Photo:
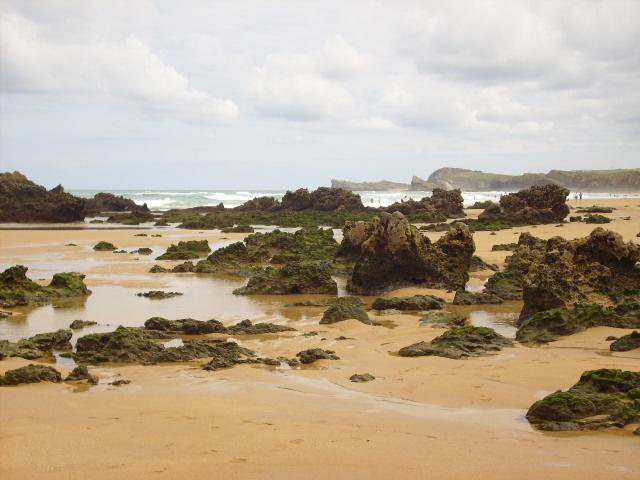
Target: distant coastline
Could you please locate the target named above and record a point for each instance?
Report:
(592, 181)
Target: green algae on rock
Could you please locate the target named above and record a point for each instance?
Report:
(626, 343)
(304, 277)
(30, 374)
(313, 354)
(17, 290)
(413, 303)
(475, 298)
(186, 250)
(443, 319)
(601, 399)
(361, 377)
(345, 308)
(190, 326)
(459, 342)
(103, 246)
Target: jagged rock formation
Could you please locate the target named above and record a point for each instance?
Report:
(475, 298)
(16, 290)
(535, 205)
(442, 204)
(394, 253)
(322, 199)
(186, 250)
(601, 399)
(313, 354)
(189, 326)
(459, 342)
(415, 303)
(21, 200)
(345, 308)
(626, 343)
(37, 346)
(597, 268)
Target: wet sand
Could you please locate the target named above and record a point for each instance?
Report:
(421, 417)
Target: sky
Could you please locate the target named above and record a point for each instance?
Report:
(280, 94)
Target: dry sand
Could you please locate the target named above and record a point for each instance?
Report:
(424, 417)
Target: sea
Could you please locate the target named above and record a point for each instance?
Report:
(168, 199)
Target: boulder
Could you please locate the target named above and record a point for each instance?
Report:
(108, 202)
(361, 377)
(441, 205)
(22, 201)
(186, 250)
(459, 342)
(596, 218)
(415, 303)
(103, 246)
(538, 204)
(228, 354)
(345, 308)
(30, 374)
(313, 354)
(81, 373)
(443, 319)
(601, 399)
(396, 254)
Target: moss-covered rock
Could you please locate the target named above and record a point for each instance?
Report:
(626, 342)
(158, 294)
(443, 319)
(478, 265)
(30, 374)
(143, 251)
(103, 246)
(601, 399)
(504, 247)
(238, 229)
(228, 354)
(190, 326)
(596, 218)
(413, 303)
(81, 373)
(463, 297)
(186, 250)
(306, 277)
(79, 324)
(18, 290)
(459, 342)
(345, 308)
(550, 324)
(361, 377)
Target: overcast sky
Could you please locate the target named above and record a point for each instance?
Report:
(256, 94)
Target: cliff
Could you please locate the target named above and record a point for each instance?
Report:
(363, 186)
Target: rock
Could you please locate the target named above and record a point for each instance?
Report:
(305, 277)
(140, 235)
(478, 265)
(396, 254)
(245, 327)
(143, 251)
(185, 267)
(361, 377)
(626, 343)
(228, 354)
(562, 273)
(238, 229)
(475, 298)
(596, 219)
(60, 339)
(134, 345)
(575, 218)
(30, 374)
(186, 250)
(108, 202)
(158, 294)
(482, 205)
(22, 201)
(601, 399)
(611, 338)
(415, 303)
(323, 199)
(538, 204)
(441, 205)
(18, 290)
(595, 209)
(120, 382)
(80, 373)
(313, 354)
(345, 308)
(103, 246)
(159, 269)
(547, 325)
(442, 319)
(195, 327)
(459, 342)
(502, 247)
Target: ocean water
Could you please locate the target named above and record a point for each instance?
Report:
(168, 199)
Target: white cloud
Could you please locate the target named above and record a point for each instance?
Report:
(125, 71)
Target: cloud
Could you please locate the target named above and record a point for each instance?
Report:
(123, 71)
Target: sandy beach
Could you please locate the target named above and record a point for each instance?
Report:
(421, 417)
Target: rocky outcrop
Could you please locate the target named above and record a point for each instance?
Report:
(415, 303)
(190, 326)
(186, 250)
(103, 246)
(442, 204)
(16, 290)
(37, 346)
(323, 199)
(345, 308)
(79, 324)
(601, 399)
(596, 218)
(626, 343)
(443, 319)
(304, 277)
(22, 201)
(476, 298)
(30, 374)
(479, 265)
(396, 254)
(108, 202)
(532, 206)
(459, 342)
(597, 268)
(378, 186)
(80, 374)
(227, 355)
(548, 325)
